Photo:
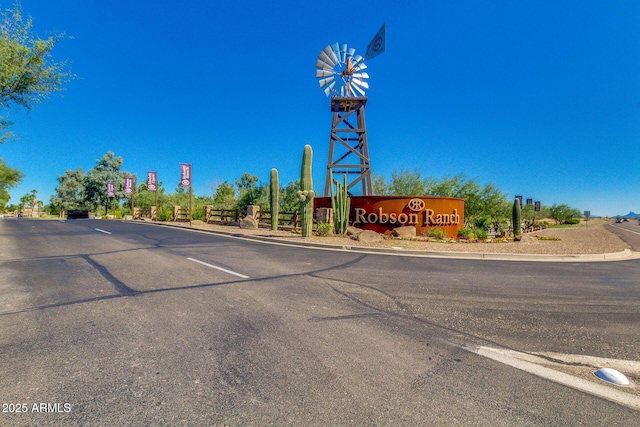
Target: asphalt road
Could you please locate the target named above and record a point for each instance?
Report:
(629, 231)
(114, 323)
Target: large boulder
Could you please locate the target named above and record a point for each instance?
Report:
(353, 231)
(368, 236)
(405, 232)
(249, 223)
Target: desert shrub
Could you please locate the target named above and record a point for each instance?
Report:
(436, 233)
(480, 233)
(199, 213)
(466, 233)
(165, 214)
(325, 229)
(483, 222)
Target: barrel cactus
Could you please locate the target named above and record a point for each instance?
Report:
(275, 199)
(306, 193)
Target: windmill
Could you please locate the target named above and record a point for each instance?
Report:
(341, 75)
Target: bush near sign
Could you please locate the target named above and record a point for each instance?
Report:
(384, 213)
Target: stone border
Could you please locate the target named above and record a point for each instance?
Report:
(614, 256)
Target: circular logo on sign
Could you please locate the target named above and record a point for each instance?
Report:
(416, 205)
(377, 43)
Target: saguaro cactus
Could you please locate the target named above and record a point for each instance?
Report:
(306, 193)
(340, 203)
(516, 219)
(275, 199)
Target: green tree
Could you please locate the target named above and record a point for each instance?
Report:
(379, 185)
(28, 73)
(9, 178)
(288, 199)
(248, 191)
(71, 191)
(30, 199)
(107, 169)
(563, 213)
(144, 198)
(225, 196)
(402, 183)
(478, 200)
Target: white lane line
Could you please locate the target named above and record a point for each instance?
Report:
(102, 231)
(522, 361)
(625, 229)
(219, 268)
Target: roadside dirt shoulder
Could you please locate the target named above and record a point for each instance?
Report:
(591, 238)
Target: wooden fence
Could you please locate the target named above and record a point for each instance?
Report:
(181, 214)
(286, 220)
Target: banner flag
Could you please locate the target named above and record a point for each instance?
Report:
(111, 189)
(152, 181)
(128, 185)
(378, 44)
(185, 175)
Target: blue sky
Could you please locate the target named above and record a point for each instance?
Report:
(540, 98)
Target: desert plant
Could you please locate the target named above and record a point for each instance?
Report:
(325, 229)
(516, 220)
(436, 233)
(466, 233)
(306, 193)
(165, 214)
(480, 233)
(274, 199)
(341, 204)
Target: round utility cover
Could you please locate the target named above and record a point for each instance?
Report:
(612, 376)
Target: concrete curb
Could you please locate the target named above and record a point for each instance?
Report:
(489, 256)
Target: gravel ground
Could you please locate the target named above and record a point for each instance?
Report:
(580, 239)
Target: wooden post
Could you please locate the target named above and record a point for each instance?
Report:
(133, 196)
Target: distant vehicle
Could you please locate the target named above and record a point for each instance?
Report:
(625, 220)
(77, 214)
(618, 220)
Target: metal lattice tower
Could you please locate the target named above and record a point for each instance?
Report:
(348, 150)
(340, 72)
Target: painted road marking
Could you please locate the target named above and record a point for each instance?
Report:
(219, 268)
(625, 229)
(102, 231)
(526, 362)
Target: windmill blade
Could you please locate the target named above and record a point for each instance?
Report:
(350, 52)
(359, 82)
(329, 88)
(361, 66)
(355, 86)
(332, 52)
(324, 73)
(324, 82)
(360, 75)
(357, 59)
(343, 53)
(327, 58)
(321, 65)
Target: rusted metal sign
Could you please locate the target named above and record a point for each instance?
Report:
(384, 213)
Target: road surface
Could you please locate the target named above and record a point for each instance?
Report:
(119, 323)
